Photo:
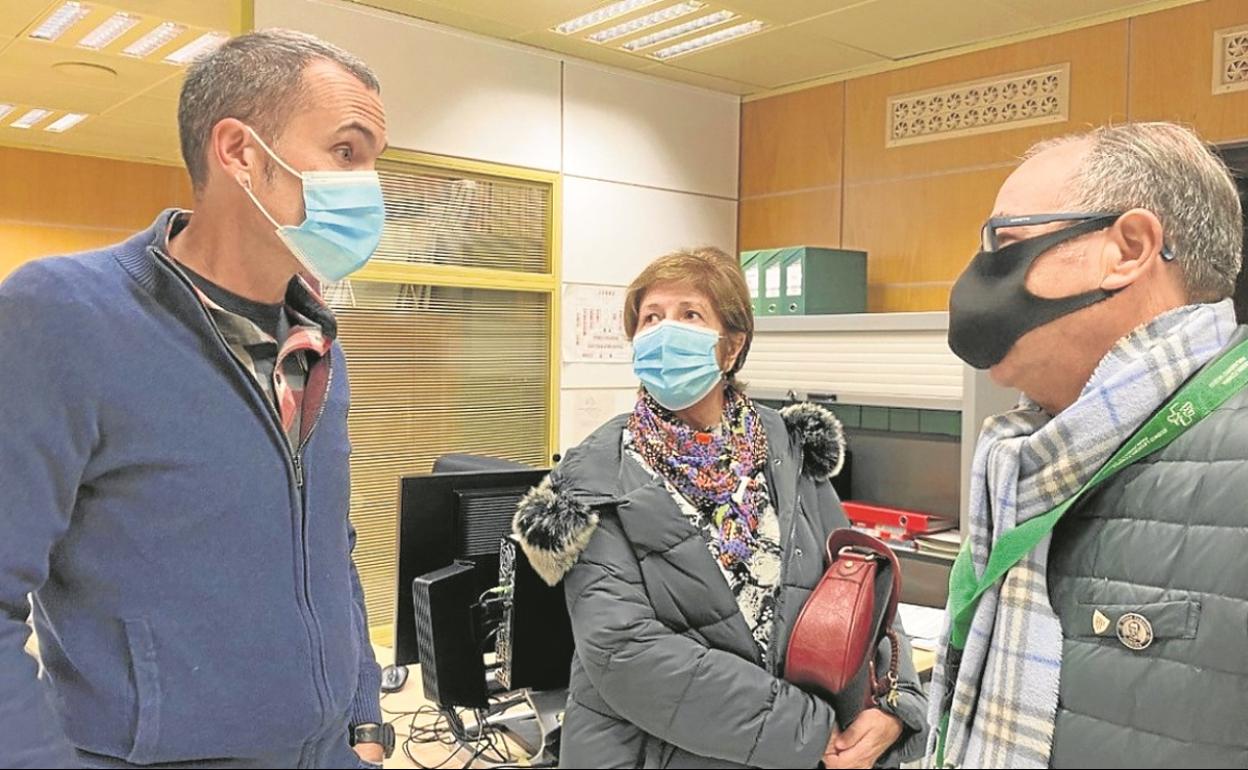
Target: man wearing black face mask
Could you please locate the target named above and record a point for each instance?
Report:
(1097, 612)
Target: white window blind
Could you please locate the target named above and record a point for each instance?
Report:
(435, 368)
(447, 218)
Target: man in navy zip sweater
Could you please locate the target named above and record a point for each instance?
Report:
(174, 481)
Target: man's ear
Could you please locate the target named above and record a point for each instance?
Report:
(232, 151)
(1131, 245)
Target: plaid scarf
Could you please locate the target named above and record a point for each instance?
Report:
(1005, 698)
(716, 471)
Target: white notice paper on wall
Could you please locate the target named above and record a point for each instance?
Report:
(773, 282)
(589, 409)
(593, 325)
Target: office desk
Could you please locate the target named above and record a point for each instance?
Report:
(411, 698)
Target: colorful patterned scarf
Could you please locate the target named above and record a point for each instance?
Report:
(717, 471)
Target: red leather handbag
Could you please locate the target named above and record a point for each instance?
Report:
(832, 648)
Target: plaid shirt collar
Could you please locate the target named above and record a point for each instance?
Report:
(302, 299)
(310, 339)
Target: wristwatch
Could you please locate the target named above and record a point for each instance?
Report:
(373, 733)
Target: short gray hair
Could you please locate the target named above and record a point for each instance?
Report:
(256, 78)
(1166, 169)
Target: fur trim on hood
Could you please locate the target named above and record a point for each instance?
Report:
(555, 526)
(820, 435)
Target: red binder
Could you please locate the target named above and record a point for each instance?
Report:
(898, 522)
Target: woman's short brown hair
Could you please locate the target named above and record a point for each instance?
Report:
(708, 271)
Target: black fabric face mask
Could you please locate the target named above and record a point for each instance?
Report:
(990, 307)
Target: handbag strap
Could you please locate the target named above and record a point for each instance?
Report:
(847, 540)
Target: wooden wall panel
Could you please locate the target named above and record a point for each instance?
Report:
(87, 192)
(915, 209)
(792, 142)
(918, 231)
(1172, 70)
(52, 203)
(910, 298)
(19, 243)
(1098, 94)
(796, 219)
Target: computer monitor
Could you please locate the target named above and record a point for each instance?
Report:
(446, 518)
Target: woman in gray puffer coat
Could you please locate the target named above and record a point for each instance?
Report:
(688, 535)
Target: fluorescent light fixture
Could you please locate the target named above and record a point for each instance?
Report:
(154, 40)
(30, 118)
(663, 35)
(117, 25)
(5, 109)
(61, 20)
(645, 22)
(706, 41)
(65, 122)
(594, 18)
(197, 48)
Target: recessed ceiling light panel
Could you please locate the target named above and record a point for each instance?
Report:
(197, 48)
(706, 41)
(65, 122)
(636, 25)
(671, 33)
(158, 38)
(30, 118)
(601, 16)
(60, 21)
(117, 25)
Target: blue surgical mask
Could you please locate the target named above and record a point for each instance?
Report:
(342, 226)
(676, 362)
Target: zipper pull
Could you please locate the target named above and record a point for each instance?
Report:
(298, 471)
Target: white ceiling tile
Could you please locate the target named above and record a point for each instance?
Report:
(701, 80)
(497, 18)
(776, 58)
(20, 14)
(529, 14)
(1052, 12)
(169, 88)
(898, 29)
(148, 110)
(786, 11)
(552, 41)
(20, 90)
(451, 17)
(100, 136)
(38, 60)
(215, 14)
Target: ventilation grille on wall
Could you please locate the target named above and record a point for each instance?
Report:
(995, 104)
(1230, 59)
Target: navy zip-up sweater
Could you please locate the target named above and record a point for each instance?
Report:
(193, 589)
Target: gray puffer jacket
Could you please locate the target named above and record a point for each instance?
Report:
(1167, 540)
(666, 672)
